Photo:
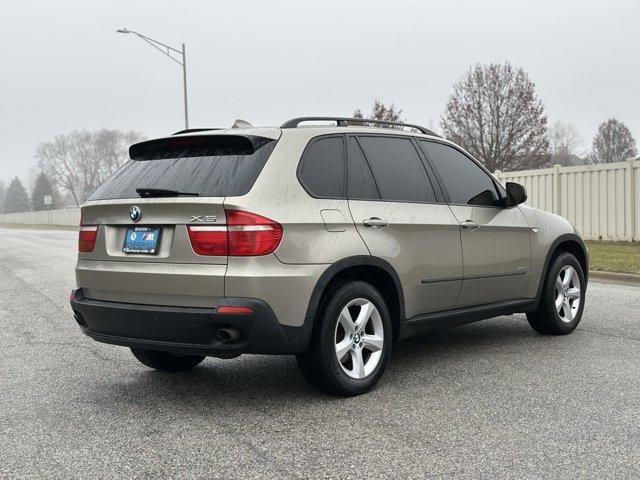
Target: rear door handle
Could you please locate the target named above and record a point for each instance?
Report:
(470, 225)
(375, 222)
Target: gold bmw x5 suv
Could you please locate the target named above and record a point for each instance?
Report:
(330, 242)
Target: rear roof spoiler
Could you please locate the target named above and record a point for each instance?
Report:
(193, 130)
(197, 146)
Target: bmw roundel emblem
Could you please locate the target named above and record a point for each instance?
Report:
(135, 214)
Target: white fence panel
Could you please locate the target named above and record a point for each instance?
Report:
(602, 201)
(66, 217)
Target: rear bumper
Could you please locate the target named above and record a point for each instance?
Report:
(187, 330)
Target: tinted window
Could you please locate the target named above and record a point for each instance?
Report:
(322, 170)
(463, 179)
(397, 169)
(360, 183)
(211, 167)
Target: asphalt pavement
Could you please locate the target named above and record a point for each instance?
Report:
(487, 400)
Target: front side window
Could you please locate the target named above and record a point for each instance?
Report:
(464, 180)
(397, 168)
(322, 168)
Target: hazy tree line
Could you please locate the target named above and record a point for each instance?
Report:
(78, 162)
(493, 112)
(496, 115)
(14, 197)
(71, 167)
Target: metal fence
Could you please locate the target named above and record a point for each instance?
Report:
(601, 201)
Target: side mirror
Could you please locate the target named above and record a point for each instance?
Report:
(516, 194)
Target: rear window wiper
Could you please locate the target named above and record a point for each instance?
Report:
(163, 192)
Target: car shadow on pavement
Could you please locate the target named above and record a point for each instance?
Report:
(253, 381)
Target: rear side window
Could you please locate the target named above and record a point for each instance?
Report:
(398, 170)
(464, 180)
(208, 166)
(360, 182)
(322, 168)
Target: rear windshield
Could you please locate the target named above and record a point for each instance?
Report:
(209, 166)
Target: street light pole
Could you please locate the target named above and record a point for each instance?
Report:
(184, 84)
(169, 52)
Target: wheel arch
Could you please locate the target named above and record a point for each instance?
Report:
(567, 243)
(373, 270)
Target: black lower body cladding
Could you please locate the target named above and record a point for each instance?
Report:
(201, 331)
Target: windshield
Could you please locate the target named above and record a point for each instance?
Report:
(213, 166)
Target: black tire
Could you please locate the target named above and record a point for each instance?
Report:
(546, 319)
(165, 361)
(320, 365)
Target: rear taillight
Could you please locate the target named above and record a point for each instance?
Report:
(87, 238)
(210, 241)
(245, 235)
(251, 234)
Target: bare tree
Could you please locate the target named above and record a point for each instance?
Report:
(80, 161)
(380, 111)
(112, 147)
(565, 141)
(564, 138)
(495, 114)
(613, 143)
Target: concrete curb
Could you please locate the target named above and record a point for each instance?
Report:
(612, 277)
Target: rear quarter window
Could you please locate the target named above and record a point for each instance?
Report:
(322, 168)
(213, 166)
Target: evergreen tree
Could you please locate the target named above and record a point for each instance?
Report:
(42, 188)
(16, 198)
(2, 190)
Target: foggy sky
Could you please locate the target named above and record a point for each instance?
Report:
(64, 67)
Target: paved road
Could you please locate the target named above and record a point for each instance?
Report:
(488, 400)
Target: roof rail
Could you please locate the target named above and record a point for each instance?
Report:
(193, 130)
(346, 121)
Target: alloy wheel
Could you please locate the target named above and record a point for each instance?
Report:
(567, 293)
(359, 338)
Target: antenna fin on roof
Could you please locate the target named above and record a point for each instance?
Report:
(239, 123)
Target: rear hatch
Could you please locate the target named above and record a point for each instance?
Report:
(144, 220)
